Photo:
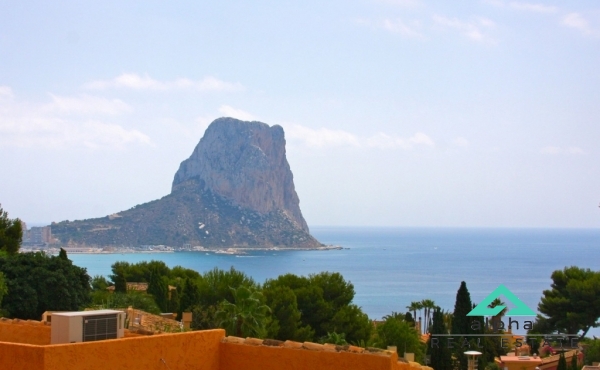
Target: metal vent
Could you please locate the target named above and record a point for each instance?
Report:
(99, 327)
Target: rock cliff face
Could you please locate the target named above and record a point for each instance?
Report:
(244, 162)
(235, 190)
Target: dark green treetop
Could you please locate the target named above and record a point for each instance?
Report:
(441, 357)
(572, 305)
(11, 233)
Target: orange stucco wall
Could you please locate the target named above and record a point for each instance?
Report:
(245, 357)
(22, 332)
(17, 356)
(197, 350)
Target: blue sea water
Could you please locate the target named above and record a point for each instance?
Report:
(390, 267)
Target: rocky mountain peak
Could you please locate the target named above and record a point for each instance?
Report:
(236, 190)
(246, 163)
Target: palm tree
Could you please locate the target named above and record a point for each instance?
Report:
(414, 306)
(246, 316)
(428, 305)
(394, 315)
(496, 319)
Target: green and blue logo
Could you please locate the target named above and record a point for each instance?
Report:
(482, 308)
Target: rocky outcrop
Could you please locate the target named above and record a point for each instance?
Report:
(235, 190)
(244, 162)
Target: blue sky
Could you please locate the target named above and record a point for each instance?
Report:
(396, 112)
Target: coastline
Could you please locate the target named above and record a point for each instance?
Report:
(165, 249)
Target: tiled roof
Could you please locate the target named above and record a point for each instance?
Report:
(310, 346)
(146, 323)
(140, 287)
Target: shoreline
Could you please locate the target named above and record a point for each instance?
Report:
(163, 249)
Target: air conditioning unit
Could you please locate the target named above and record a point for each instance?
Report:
(86, 326)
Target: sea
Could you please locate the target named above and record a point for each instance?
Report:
(392, 267)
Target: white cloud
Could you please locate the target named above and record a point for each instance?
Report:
(6, 92)
(575, 20)
(325, 138)
(87, 104)
(399, 27)
(137, 82)
(554, 150)
(535, 8)
(395, 26)
(472, 29)
(229, 111)
(384, 141)
(44, 125)
(322, 137)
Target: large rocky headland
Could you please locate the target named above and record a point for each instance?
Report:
(236, 190)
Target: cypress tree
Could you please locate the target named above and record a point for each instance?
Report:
(562, 362)
(441, 358)
(462, 306)
(158, 288)
(189, 297)
(120, 283)
(63, 254)
(574, 365)
(174, 301)
(461, 323)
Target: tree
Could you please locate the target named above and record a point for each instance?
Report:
(99, 282)
(441, 357)
(215, 285)
(408, 317)
(572, 305)
(3, 288)
(11, 233)
(460, 321)
(138, 272)
(246, 316)
(204, 318)
(285, 317)
(399, 333)
(137, 300)
(462, 306)
(320, 297)
(592, 351)
(562, 362)
(335, 338)
(173, 305)
(428, 305)
(352, 322)
(37, 283)
(574, 364)
(189, 297)
(416, 306)
(159, 289)
(63, 254)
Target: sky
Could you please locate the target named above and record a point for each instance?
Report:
(396, 112)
